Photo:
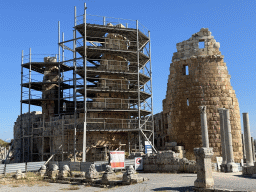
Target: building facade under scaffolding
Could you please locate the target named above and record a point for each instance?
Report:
(95, 94)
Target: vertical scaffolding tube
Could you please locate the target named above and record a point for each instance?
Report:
(74, 91)
(62, 127)
(29, 102)
(138, 62)
(21, 93)
(74, 77)
(152, 116)
(43, 139)
(59, 69)
(85, 91)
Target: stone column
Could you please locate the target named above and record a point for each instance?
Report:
(204, 127)
(253, 149)
(231, 166)
(244, 156)
(222, 133)
(247, 140)
(204, 167)
(5, 154)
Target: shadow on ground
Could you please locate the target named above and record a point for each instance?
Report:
(245, 176)
(183, 189)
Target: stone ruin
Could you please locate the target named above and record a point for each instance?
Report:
(198, 76)
(168, 162)
(92, 173)
(130, 177)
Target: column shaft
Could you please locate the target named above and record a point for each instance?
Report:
(222, 133)
(231, 166)
(204, 127)
(247, 139)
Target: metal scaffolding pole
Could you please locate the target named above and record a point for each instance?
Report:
(152, 116)
(21, 93)
(59, 69)
(74, 81)
(85, 91)
(74, 94)
(28, 128)
(138, 62)
(43, 138)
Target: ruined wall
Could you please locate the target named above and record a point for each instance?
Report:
(199, 76)
(50, 89)
(168, 162)
(159, 131)
(46, 138)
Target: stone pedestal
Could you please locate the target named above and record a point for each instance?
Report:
(108, 175)
(65, 172)
(130, 177)
(42, 171)
(204, 167)
(54, 173)
(92, 174)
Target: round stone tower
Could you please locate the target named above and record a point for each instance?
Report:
(199, 76)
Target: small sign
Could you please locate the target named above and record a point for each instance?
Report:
(138, 163)
(148, 147)
(117, 159)
(219, 162)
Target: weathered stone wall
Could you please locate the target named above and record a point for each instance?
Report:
(96, 141)
(207, 83)
(50, 89)
(159, 130)
(168, 162)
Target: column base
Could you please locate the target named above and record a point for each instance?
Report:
(232, 167)
(204, 183)
(223, 167)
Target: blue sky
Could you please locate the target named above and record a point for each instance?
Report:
(34, 24)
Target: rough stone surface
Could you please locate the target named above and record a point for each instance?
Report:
(92, 173)
(19, 175)
(65, 172)
(53, 174)
(108, 175)
(207, 83)
(249, 170)
(130, 176)
(168, 162)
(204, 168)
(42, 171)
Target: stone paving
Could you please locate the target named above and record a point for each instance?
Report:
(157, 182)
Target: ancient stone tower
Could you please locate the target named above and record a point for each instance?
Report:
(199, 76)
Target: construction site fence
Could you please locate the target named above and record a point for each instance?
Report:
(74, 166)
(24, 167)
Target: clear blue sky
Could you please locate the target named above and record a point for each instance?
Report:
(34, 24)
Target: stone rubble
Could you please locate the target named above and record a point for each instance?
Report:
(92, 173)
(53, 173)
(19, 175)
(130, 176)
(108, 175)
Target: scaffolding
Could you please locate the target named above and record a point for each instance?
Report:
(104, 82)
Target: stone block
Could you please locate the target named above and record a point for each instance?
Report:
(204, 168)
